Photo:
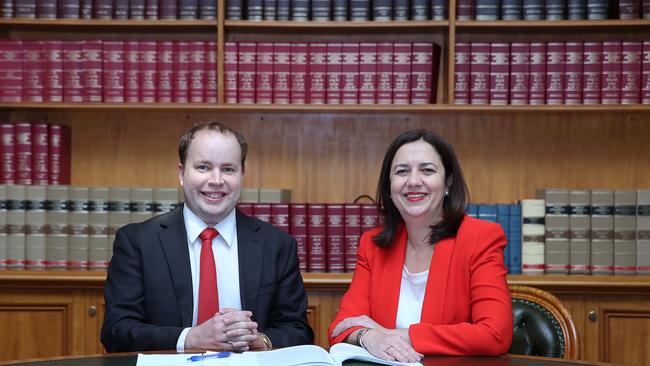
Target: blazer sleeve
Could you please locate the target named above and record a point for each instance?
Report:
(126, 327)
(356, 300)
(489, 331)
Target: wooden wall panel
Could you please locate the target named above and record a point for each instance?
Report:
(625, 340)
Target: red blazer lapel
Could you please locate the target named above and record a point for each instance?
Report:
(434, 296)
(388, 284)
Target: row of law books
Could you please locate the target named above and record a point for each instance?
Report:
(331, 73)
(491, 10)
(598, 232)
(34, 153)
(109, 9)
(108, 71)
(535, 73)
(336, 10)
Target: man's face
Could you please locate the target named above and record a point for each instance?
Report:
(212, 176)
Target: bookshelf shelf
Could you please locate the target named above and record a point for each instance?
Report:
(112, 23)
(557, 24)
(412, 24)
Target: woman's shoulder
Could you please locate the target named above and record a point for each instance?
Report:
(476, 227)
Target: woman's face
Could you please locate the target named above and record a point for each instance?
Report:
(417, 182)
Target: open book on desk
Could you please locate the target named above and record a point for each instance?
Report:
(311, 356)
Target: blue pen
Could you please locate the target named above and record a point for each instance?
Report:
(210, 355)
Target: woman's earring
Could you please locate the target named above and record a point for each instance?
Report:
(446, 192)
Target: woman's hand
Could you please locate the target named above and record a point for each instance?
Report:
(391, 345)
(356, 321)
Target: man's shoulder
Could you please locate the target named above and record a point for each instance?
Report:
(156, 223)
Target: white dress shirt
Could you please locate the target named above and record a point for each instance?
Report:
(411, 297)
(225, 250)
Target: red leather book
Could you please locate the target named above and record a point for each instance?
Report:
(352, 234)
(246, 72)
(385, 54)
(280, 216)
(555, 73)
(230, 72)
(151, 9)
(264, 73)
(7, 154)
(335, 238)
(465, 10)
(92, 77)
(499, 73)
(462, 68)
(32, 71)
(281, 72)
(333, 74)
(422, 70)
(181, 74)
(591, 72)
(23, 151)
(350, 73)
(165, 71)
(197, 75)
(645, 73)
(317, 73)
(298, 229)
(298, 76)
(72, 71)
(519, 73)
(60, 154)
(148, 71)
(611, 76)
(113, 56)
(629, 9)
(52, 71)
(316, 238)
(246, 208)
(46, 9)
(367, 73)
(573, 73)
(537, 89)
(402, 72)
(40, 157)
(631, 54)
(132, 74)
(168, 9)
(102, 9)
(369, 217)
(262, 211)
(210, 72)
(479, 90)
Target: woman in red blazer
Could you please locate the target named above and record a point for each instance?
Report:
(431, 281)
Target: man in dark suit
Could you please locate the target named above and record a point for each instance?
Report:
(205, 276)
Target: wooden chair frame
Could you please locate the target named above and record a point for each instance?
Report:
(558, 310)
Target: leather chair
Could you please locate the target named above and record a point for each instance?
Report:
(542, 325)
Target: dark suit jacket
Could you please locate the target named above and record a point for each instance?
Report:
(148, 291)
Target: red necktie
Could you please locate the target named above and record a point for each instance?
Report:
(208, 295)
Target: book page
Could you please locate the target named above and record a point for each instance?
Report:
(344, 351)
(290, 356)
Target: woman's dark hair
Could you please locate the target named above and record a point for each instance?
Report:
(453, 204)
(189, 135)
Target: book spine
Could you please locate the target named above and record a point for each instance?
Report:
(519, 73)
(141, 204)
(420, 10)
(197, 72)
(298, 75)
(72, 71)
(283, 10)
(480, 73)
(579, 232)
(85, 9)
(555, 62)
(262, 212)
(211, 81)
(631, 54)
(11, 71)
(514, 240)
(246, 73)
(52, 71)
(264, 73)
(300, 10)
(333, 73)
(350, 73)
(592, 69)
(321, 10)
(555, 9)
(537, 91)
(316, 238)
(359, 10)
(335, 238)
(422, 73)
(230, 72)
(439, 9)
(7, 154)
(576, 9)
(207, 9)
(187, 9)
(78, 212)
(35, 206)
(3, 226)
(645, 73)
(136, 12)
(402, 72)
(32, 71)
(102, 9)
(120, 9)
(23, 132)
(367, 73)
(486, 9)
(597, 9)
(511, 10)
(150, 10)
(92, 77)
(60, 154)
(119, 213)
(181, 72)
(499, 73)
(132, 73)
(533, 9)
(255, 9)
(339, 10)
(6, 11)
(611, 76)
(281, 72)
(382, 10)
(629, 9)
(40, 161)
(165, 71)
(624, 232)
(148, 71)
(234, 9)
(464, 10)
(400, 10)
(113, 63)
(280, 216)
(298, 229)
(385, 77)
(57, 227)
(25, 9)
(602, 232)
(168, 9)
(317, 73)
(556, 245)
(643, 232)
(573, 73)
(462, 69)
(352, 234)
(369, 217)
(98, 244)
(532, 242)
(16, 226)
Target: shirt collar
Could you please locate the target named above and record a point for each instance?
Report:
(227, 228)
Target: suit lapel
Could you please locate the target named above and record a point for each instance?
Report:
(173, 240)
(251, 252)
(391, 281)
(434, 296)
